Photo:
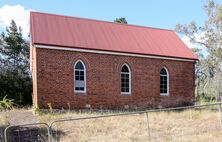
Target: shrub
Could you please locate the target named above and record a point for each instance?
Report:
(50, 107)
(6, 104)
(36, 111)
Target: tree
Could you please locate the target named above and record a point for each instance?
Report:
(15, 79)
(120, 20)
(209, 68)
(1, 59)
(15, 49)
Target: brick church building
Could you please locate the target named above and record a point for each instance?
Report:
(82, 63)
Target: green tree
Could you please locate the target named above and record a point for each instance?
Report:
(15, 49)
(121, 20)
(15, 79)
(209, 68)
(1, 60)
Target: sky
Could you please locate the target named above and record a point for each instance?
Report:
(152, 13)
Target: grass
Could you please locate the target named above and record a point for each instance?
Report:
(183, 126)
(3, 119)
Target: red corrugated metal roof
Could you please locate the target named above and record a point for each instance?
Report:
(49, 29)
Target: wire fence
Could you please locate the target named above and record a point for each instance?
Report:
(149, 125)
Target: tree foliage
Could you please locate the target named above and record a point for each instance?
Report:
(121, 20)
(208, 37)
(15, 79)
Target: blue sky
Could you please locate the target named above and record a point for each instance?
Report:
(154, 13)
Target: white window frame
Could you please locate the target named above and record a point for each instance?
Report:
(168, 85)
(80, 91)
(125, 93)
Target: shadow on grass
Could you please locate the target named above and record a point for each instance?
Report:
(57, 135)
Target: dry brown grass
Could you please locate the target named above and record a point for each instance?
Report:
(183, 126)
(3, 124)
(3, 119)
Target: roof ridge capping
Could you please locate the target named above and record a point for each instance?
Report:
(88, 19)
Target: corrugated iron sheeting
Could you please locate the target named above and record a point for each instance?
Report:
(49, 29)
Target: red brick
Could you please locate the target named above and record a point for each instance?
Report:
(53, 81)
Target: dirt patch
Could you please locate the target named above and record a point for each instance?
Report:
(20, 117)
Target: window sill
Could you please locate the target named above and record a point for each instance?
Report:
(164, 94)
(125, 94)
(80, 92)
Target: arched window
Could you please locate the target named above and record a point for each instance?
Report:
(164, 82)
(80, 76)
(125, 79)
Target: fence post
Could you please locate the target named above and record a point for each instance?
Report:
(220, 109)
(148, 125)
(50, 134)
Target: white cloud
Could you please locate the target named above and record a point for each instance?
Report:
(19, 14)
(198, 37)
(186, 40)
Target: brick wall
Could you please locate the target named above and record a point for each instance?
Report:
(55, 83)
